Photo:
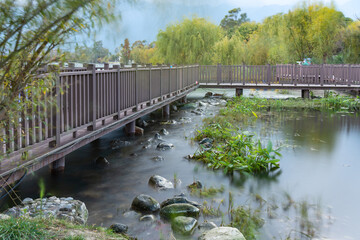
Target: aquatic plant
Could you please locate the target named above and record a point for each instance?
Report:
(237, 151)
(206, 192)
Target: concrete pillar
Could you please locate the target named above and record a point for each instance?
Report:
(130, 129)
(58, 166)
(305, 93)
(239, 92)
(166, 111)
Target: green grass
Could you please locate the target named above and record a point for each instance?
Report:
(206, 192)
(48, 228)
(23, 228)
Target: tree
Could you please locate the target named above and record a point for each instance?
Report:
(352, 43)
(191, 41)
(29, 31)
(247, 29)
(99, 53)
(125, 51)
(233, 20)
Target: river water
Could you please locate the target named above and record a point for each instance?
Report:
(317, 183)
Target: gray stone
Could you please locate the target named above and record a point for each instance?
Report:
(147, 218)
(206, 226)
(208, 94)
(145, 203)
(164, 146)
(157, 136)
(158, 158)
(117, 143)
(179, 199)
(183, 225)
(131, 214)
(119, 228)
(139, 131)
(174, 108)
(202, 104)
(223, 233)
(141, 123)
(188, 106)
(179, 209)
(27, 201)
(164, 132)
(185, 120)
(102, 162)
(160, 182)
(4, 217)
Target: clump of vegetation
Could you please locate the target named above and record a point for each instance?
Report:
(206, 192)
(210, 210)
(235, 151)
(247, 220)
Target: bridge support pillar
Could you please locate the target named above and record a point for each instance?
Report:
(130, 129)
(183, 100)
(166, 111)
(239, 92)
(58, 166)
(305, 93)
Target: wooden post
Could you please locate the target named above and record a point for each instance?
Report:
(160, 82)
(269, 74)
(106, 66)
(117, 67)
(243, 73)
(322, 72)
(239, 92)
(166, 110)
(57, 108)
(349, 75)
(92, 96)
(169, 80)
(130, 129)
(150, 98)
(136, 85)
(219, 72)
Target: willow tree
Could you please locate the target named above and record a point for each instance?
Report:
(191, 41)
(352, 43)
(29, 31)
(230, 51)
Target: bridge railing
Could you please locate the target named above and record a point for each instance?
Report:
(293, 74)
(83, 98)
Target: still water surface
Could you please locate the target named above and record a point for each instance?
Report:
(319, 168)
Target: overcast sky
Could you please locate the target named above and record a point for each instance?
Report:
(144, 19)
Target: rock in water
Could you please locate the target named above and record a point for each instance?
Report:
(158, 158)
(163, 132)
(102, 162)
(119, 228)
(206, 226)
(179, 209)
(184, 225)
(179, 199)
(164, 146)
(208, 94)
(139, 131)
(195, 185)
(145, 203)
(223, 233)
(147, 218)
(160, 182)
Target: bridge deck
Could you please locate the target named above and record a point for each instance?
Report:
(280, 86)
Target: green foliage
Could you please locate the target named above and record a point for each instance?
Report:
(77, 237)
(30, 32)
(22, 228)
(248, 221)
(189, 42)
(233, 20)
(206, 192)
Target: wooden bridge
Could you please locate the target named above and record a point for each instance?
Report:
(94, 101)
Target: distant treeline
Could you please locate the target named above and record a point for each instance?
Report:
(315, 31)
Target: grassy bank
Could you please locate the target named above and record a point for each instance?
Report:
(40, 228)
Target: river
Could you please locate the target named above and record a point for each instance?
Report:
(318, 171)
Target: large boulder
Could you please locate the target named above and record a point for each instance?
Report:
(179, 209)
(145, 203)
(223, 233)
(179, 199)
(183, 225)
(160, 182)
